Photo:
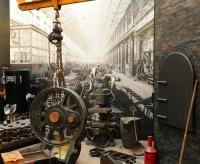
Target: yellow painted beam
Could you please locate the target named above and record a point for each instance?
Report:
(38, 4)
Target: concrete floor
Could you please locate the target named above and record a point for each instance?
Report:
(85, 158)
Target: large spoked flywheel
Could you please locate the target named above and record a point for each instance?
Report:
(57, 116)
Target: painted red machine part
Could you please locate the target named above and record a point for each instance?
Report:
(150, 153)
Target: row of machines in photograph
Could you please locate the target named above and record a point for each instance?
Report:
(104, 122)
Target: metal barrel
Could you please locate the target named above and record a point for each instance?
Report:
(130, 133)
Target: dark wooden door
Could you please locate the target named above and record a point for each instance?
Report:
(175, 90)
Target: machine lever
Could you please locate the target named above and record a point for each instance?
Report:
(162, 99)
(162, 82)
(162, 117)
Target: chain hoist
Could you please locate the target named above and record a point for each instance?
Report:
(58, 114)
(56, 38)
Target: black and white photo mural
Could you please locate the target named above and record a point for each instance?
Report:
(107, 56)
(131, 59)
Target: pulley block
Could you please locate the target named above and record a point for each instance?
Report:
(56, 37)
(57, 116)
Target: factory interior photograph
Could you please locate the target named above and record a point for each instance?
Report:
(99, 81)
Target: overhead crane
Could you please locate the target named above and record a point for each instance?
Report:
(38, 4)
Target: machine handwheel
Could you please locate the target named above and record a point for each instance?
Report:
(57, 116)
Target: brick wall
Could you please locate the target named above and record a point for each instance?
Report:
(177, 28)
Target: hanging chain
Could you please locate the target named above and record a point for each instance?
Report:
(49, 61)
(57, 16)
(56, 38)
(59, 66)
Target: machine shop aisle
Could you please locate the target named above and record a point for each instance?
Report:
(139, 87)
(99, 82)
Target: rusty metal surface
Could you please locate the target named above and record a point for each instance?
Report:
(35, 156)
(38, 4)
(99, 110)
(118, 157)
(15, 134)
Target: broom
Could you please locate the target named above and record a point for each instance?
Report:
(187, 123)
